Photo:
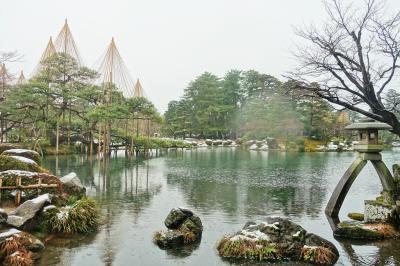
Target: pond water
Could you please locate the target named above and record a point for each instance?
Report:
(226, 187)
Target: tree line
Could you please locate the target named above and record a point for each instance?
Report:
(62, 103)
(248, 104)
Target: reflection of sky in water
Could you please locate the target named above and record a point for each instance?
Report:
(225, 187)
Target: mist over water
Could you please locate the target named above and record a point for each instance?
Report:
(227, 187)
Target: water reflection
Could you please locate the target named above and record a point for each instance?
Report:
(123, 189)
(226, 187)
(252, 183)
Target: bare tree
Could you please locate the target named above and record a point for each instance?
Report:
(351, 59)
(9, 57)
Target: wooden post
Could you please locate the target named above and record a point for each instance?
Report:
(57, 136)
(18, 191)
(39, 186)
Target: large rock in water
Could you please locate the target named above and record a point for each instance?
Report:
(277, 239)
(23, 217)
(33, 155)
(365, 231)
(184, 227)
(72, 185)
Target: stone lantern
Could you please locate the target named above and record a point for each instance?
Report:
(368, 135)
(368, 149)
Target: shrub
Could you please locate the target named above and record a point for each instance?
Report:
(81, 217)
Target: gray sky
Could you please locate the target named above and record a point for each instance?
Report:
(164, 43)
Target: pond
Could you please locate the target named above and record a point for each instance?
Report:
(226, 187)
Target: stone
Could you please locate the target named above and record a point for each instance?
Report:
(277, 239)
(170, 238)
(376, 212)
(7, 146)
(272, 143)
(23, 216)
(33, 155)
(72, 185)
(356, 216)
(3, 216)
(184, 227)
(365, 231)
(176, 217)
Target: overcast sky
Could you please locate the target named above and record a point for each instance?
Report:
(164, 43)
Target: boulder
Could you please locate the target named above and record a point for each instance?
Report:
(365, 231)
(209, 142)
(272, 143)
(23, 217)
(175, 217)
(3, 216)
(19, 163)
(33, 155)
(277, 239)
(169, 239)
(7, 146)
(184, 227)
(72, 185)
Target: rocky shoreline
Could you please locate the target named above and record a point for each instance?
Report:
(37, 202)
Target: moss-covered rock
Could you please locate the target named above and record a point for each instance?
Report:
(33, 155)
(365, 231)
(356, 216)
(184, 227)
(13, 163)
(277, 239)
(8, 146)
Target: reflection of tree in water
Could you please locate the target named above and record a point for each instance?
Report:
(255, 182)
(57, 246)
(384, 252)
(123, 188)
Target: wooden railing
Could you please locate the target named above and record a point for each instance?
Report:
(43, 181)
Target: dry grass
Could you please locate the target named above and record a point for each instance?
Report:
(387, 230)
(189, 237)
(19, 258)
(246, 249)
(13, 249)
(10, 245)
(318, 255)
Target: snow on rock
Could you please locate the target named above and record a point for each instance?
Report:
(27, 211)
(24, 160)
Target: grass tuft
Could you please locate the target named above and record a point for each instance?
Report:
(248, 249)
(81, 217)
(318, 255)
(19, 258)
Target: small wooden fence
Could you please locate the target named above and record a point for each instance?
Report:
(42, 181)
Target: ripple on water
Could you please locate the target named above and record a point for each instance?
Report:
(226, 187)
